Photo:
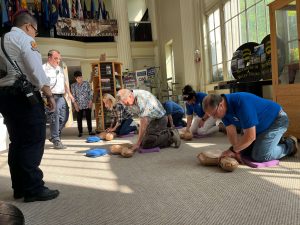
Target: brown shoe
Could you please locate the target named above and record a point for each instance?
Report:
(296, 146)
(175, 137)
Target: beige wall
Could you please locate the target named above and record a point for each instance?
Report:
(169, 28)
(83, 54)
(180, 21)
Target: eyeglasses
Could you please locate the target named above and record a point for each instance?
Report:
(215, 112)
(56, 58)
(35, 29)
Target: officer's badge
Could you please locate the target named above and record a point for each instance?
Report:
(34, 46)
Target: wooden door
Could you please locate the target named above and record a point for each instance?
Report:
(285, 45)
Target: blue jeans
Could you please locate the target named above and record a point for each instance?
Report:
(126, 127)
(58, 118)
(268, 145)
(177, 120)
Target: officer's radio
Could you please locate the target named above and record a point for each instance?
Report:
(27, 88)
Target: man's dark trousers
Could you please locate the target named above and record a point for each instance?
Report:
(26, 125)
(157, 134)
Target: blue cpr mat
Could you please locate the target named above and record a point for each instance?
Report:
(92, 139)
(96, 152)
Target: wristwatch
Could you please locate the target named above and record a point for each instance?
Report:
(231, 149)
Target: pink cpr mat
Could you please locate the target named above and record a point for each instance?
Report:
(149, 150)
(200, 135)
(131, 134)
(253, 164)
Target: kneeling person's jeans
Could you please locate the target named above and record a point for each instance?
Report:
(268, 146)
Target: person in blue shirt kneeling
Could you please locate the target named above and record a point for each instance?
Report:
(198, 122)
(174, 113)
(263, 122)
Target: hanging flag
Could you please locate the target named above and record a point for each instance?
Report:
(85, 12)
(59, 8)
(92, 9)
(36, 10)
(99, 12)
(10, 9)
(5, 19)
(16, 6)
(70, 8)
(53, 13)
(45, 13)
(23, 4)
(65, 9)
(104, 12)
(79, 10)
(74, 14)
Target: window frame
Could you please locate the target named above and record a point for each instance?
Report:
(226, 60)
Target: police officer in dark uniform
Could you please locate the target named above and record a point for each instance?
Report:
(23, 110)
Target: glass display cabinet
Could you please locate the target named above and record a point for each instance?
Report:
(285, 44)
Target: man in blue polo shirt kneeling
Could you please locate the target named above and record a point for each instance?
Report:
(263, 122)
(174, 113)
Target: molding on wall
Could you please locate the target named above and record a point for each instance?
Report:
(91, 51)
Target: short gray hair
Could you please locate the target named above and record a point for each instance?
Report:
(22, 18)
(211, 101)
(123, 94)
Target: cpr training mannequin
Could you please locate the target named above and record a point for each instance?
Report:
(108, 136)
(122, 149)
(186, 135)
(212, 158)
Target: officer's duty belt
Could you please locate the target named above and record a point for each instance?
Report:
(58, 95)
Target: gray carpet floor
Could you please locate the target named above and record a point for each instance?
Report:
(168, 187)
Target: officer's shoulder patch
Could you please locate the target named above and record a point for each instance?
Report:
(34, 46)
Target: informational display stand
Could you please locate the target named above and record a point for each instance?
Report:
(145, 79)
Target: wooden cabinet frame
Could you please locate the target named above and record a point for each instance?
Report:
(286, 94)
(100, 73)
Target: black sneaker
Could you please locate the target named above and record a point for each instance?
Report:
(44, 195)
(296, 146)
(92, 133)
(18, 195)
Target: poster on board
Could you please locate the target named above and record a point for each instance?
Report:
(129, 80)
(141, 78)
